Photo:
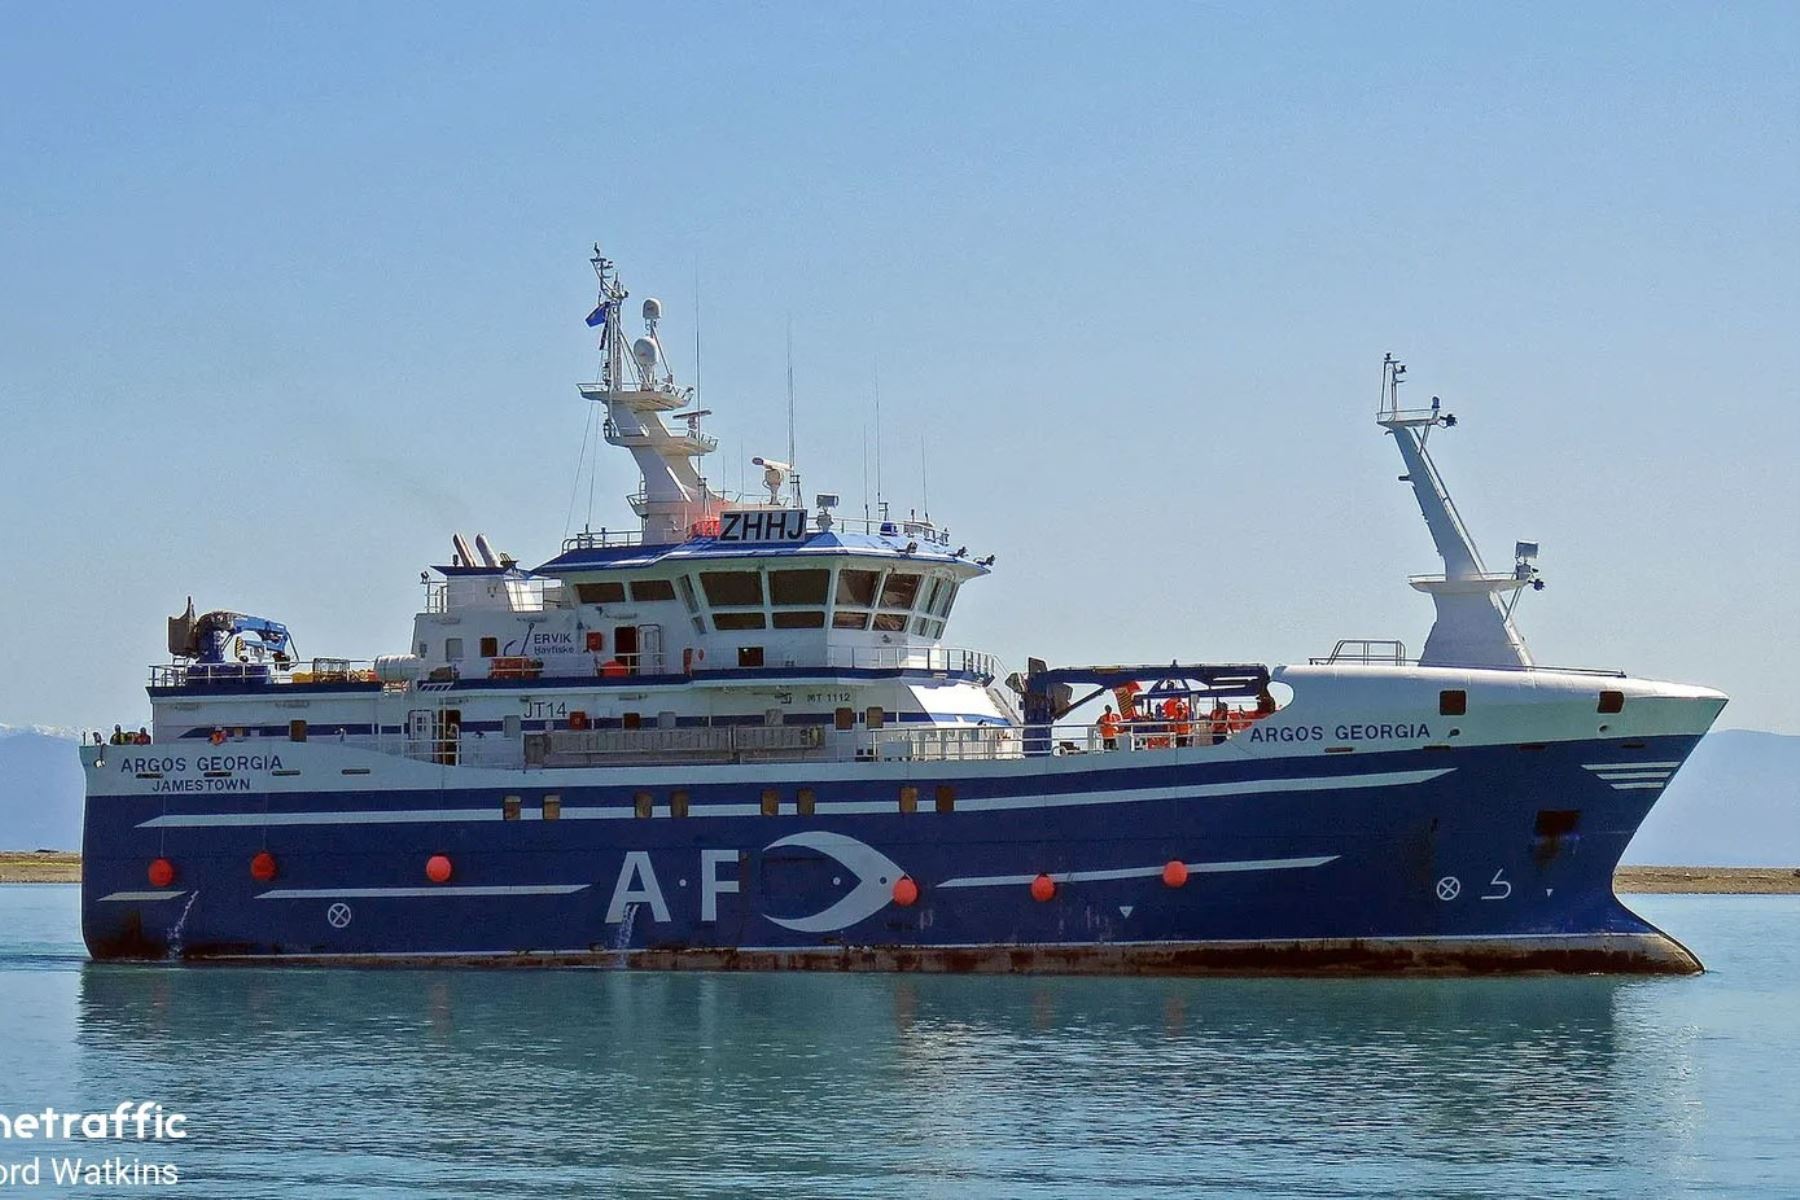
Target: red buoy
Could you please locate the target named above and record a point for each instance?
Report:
(1175, 873)
(437, 868)
(1043, 888)
(162, 872)
(906, 892)
(262, 867)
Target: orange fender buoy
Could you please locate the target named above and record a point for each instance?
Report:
(906, 892)
(262, 867)
(161, 872)
(1043, 888)
(437, 868)
(1175, 873)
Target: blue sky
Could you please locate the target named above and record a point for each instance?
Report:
(291, 294)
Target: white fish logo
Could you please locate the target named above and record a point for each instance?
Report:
(876, 874)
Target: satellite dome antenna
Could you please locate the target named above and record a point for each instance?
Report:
(644, 351)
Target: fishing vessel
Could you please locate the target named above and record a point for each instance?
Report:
(737, 735)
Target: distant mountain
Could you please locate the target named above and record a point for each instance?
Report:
(40, 789)
(1735, 804)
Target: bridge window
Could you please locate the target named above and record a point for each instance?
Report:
(798, 587)
(900, 590)
(857, 588)
(453, 648)
(931, 597)
(610, 591)
(842, 619)
(737, 589)
(645, 591)
(890, 622)
(1453, 702)
(804, 619)
(1611, 702)
(724, 621)
(946, 599)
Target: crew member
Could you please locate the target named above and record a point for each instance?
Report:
(143, 736)
(1184, 729)
(1109, 729)
(118, 735)
(1221, 722)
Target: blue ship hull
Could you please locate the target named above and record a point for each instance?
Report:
(1486, 857)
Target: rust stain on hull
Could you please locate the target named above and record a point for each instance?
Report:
(1640, 954)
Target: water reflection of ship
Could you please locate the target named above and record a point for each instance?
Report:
(657, 1076)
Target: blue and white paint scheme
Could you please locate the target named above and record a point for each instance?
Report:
(736, 736)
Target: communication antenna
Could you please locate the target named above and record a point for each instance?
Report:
(696, 331)
(790, 384)
(880, 499)
(924, 479)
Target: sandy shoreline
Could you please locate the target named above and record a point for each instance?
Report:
(63, 866)
(40, 866)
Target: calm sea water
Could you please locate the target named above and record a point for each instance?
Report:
(430, 1083)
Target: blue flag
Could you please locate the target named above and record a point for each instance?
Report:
(597, 317)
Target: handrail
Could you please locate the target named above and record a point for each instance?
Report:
(553, 750)
(316, 670)
(602, 539)
(1365, 651)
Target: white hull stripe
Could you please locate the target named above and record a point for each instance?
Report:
(1628, 766)
(1612, 776)
(1198, 868)
(1247, 787)
(140, 897)
(375, 893)
(1626, 787)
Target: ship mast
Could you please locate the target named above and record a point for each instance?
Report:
(1474, 626)
(637, 389)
